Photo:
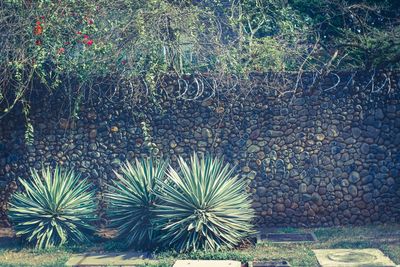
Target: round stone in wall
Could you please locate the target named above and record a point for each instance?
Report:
(354, 177)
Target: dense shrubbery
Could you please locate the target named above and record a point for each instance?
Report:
(57, 42)
(76, 46)
(56, 207)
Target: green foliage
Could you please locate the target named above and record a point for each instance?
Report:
(132, 201)
(76, 46)
(372, 49)
(204, 206)
(56, 207)
(152, 147)
(29, 131)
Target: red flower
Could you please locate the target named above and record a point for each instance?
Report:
(90, 21)
(90, 42)
(85, 39)
(61, 50)
(38, 42)
(78, 33)
(38, 30)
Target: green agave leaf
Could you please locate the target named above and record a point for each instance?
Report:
(55, 207)
(204, 206)
(132, 200)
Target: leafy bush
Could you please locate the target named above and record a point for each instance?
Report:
(204, 206)
(132, 201)
(81, 47)
(56, 207)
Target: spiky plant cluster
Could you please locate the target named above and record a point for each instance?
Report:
(132, 201)
(55, 207)
(204, 206)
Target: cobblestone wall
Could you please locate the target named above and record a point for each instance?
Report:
(329, 157)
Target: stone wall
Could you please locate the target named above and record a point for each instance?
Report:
(327, 157)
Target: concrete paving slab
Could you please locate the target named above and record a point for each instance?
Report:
(107, 259)
(352, 258)
(286, 237)
(280, 263)
(7, 235)
(206, 263)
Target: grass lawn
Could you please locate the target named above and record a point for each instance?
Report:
(384, 237)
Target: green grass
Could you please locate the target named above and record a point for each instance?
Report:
(383, 237)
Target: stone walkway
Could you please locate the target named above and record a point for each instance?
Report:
(113, 259)
(326, 258)
(352, 258)
(286, 237)
(7, 236)
(206, 263)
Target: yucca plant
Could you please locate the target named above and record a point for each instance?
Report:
(54, 207)
(132, 200)
(204, 206)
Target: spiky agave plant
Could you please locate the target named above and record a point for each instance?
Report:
(204, 206)
(132, 200)
(54, 207)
